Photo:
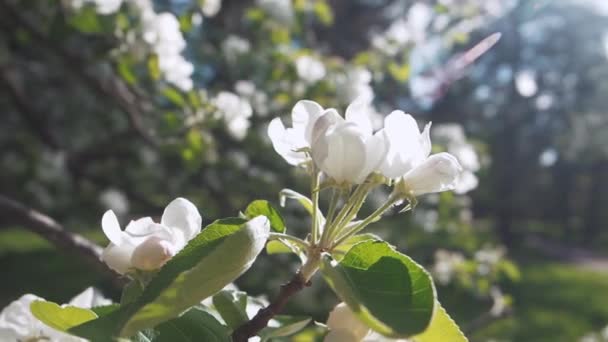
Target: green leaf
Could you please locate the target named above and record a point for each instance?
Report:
(399, 72)
(174, 96)
(442, 328)
(340, 250)
(105, 309)
(153, 67)
(262, 207)
(389, 291)
(193, 326)
(288, 325)
(86, 20)
(60, 318)
(324, 13)
(214, 258)
(130, 292)
(125, 70)
(232, 306)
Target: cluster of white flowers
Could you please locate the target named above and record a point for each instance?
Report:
(18, 324)
(235, 111)
(162, 33)
(403, 31)
(453, 137)
(347, 150)
(310, 69)
(234, 46)
(146, 245)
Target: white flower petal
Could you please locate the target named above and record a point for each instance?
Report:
(140, 227)
(341, 152)
(376, 149)
(304, 115)
(111, 227)
(438, 173)
(286, 141)
(89, 298)
(357, 112)
(118, 258)
(407, 146)
(184, 215)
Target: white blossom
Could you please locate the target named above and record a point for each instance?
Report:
(289, 142)
(17, 323)
(309, 69)
(346, 150)
(235, 112)
(408, 158)
(147, 245)
(211, 7)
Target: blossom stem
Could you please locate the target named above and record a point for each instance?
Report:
(371, 218)
(335, 197)
(279, 236)
(315, 203)
(357, 200)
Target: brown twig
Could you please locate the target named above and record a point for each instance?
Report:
(52, 231)
(260, 320)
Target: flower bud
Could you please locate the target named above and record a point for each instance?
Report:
(152, 254)
(344, 325)
(437, 173)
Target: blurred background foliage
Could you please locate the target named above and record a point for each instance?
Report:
(125, 105)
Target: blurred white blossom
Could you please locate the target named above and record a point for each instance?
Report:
(115, 200)
(235, 112)
(234, 46)
(211, 7)
(162, 33)
(310, 69)
(355, 84)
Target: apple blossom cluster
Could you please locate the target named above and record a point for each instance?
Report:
(17, 323)
(162, 33)
(348, 151)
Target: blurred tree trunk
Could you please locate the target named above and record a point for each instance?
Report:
(597, 201)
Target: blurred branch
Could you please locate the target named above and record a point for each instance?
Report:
(52, 231)
(115, 89)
